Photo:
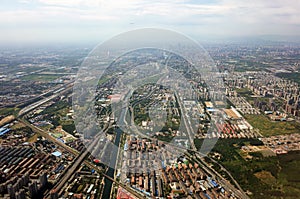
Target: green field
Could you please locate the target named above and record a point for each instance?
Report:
(288, 176)
(56, 114)
(8, 111)
(247, 93)
(290, 76)
(268, 128)
(249, 65)
(244, 91)
(263, 177)
(41, 77)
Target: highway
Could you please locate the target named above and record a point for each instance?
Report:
(110, 172)
(37, 104)
(80, 158)
(70, 171)
(188, 127)
(190, 133)
(228, 173)
(32, 100)
(239, 192)
(48, 137)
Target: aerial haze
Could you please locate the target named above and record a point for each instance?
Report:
(35, 21)
(149, 99)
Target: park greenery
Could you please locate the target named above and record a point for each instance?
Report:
(261, 177)
(268, 127)
(41, 77)
(56, 113)
(290, 76)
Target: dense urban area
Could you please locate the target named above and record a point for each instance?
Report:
(152, 147)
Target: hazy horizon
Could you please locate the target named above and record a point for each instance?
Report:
(46, 21)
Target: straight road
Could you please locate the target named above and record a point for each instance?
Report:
(58, 187)
(37, 104)
(80, 156)
(239, 192)
(188, 127)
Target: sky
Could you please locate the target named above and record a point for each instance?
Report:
(34, 21)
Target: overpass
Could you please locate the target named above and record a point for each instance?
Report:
(37, 104)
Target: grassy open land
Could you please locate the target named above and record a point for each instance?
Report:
(104, 79)
(244, 91)
(266, 177)
(148, 80)
(9, 111)
(32, 69)
(262, 177)
(33, 138)
(247, 93)
(57, 114)
(41, 77)
(288, 177)
(268, 128)
(17, 126)
(247, 65)
(290, 76)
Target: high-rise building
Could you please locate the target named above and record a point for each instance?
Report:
(20, 194)
(43, 180)
(33, 189)
(11, 191)
(53, 194)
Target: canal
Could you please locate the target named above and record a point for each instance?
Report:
(111, 170)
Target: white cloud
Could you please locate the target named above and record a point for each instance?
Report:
(221, 17)
(25, 1)
(234, 10)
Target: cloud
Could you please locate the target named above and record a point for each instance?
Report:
(25, 1)
(230, 17)
(235, 10)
